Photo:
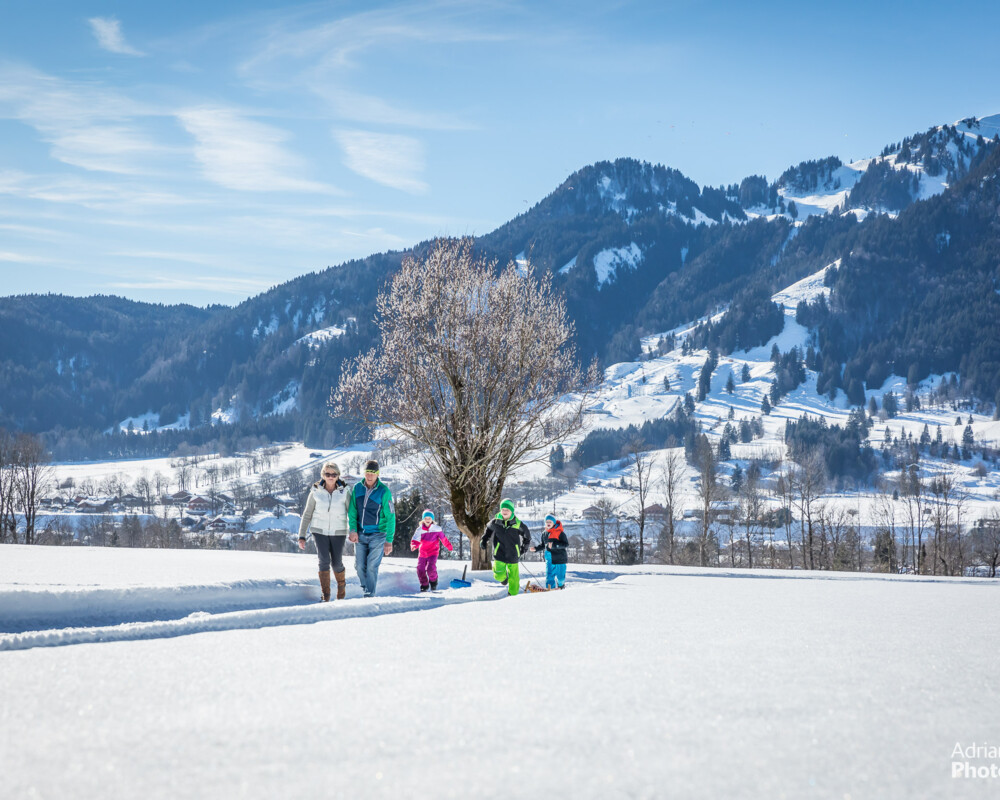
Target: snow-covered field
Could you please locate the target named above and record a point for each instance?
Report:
(634, 682)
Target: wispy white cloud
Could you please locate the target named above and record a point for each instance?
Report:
(108, 32)
(339, 42)
(201, 259)
(32, 231)
(20, 258)
(314, 236)
(385, 158)
(359, 212)
(222, 284)
(87, 125)
(368, 109)
(321, 56)
(85, 192)
(243, 154)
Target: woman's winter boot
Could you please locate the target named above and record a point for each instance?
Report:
(324, 584)
(341, 584)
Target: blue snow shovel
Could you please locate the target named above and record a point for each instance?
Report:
(463, 583)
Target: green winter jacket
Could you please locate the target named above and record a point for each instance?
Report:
(372, 511)
(510, 539)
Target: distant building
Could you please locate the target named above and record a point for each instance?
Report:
(224, 523)
(98, 505)
(199, 505)
(268, 502)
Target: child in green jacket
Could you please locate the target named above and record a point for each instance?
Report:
(510, 539)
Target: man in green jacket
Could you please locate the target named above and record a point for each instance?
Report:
(371, 522)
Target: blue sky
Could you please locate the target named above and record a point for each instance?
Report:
(204, 151)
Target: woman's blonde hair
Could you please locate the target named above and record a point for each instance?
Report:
(331, 465)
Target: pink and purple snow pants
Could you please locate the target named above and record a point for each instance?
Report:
(427, 570)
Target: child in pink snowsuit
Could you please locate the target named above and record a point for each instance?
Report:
(428, 536)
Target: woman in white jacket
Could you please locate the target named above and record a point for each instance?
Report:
(325, 517)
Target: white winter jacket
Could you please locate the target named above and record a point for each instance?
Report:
(325, 512)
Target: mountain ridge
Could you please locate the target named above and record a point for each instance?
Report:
(636, 247)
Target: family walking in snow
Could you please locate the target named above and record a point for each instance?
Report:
(365, 515)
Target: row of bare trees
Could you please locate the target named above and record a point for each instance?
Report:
(24, 477)
(131, 530)
(789, 521)
(192, 473)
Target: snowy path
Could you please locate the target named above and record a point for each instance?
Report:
(202, 622)
(151, 594)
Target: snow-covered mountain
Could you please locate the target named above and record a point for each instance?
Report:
(637, 248)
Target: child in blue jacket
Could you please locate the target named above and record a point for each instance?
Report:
(553, 545)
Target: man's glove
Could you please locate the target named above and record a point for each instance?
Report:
(482, 544)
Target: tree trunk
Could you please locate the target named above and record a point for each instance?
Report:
(481, 559)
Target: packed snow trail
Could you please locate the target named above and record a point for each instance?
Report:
(52, 596)
(203, 622)
(36, 609)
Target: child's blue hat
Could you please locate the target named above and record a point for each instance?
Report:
(551, 517)
(427, 513)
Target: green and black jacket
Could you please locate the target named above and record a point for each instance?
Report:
(510, 539)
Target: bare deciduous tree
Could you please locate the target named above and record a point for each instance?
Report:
(914, 505)
(751, 509)
(31, 475)
(183, 474)
(295, 483)
(643, 469)
(474, 366)
(161, 484)
(8, 519)
(710, 492)
(807, 480)
(143, 489)
(783, 491)
(884, 514)
(267, 483)
(943, 491)
(671, 474)
(986, 540)
(600, 515)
